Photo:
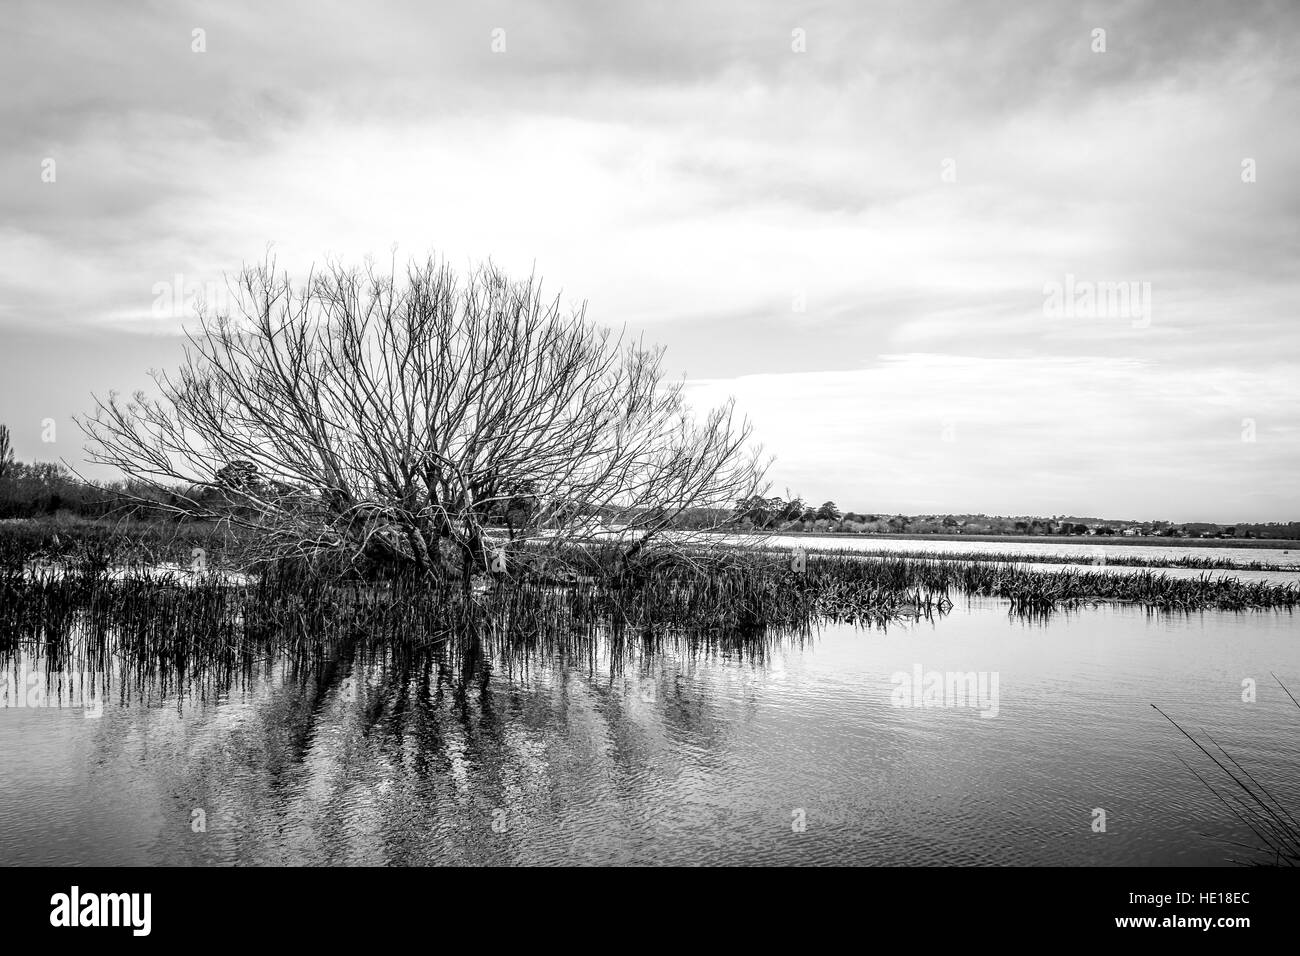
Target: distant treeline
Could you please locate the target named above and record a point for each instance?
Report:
(33, 489)
(794, 515)
(30, 490)
(47, 488)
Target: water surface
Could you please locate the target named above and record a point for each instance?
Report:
(1095, 551)
(690, 755)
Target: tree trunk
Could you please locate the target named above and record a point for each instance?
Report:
(419, 549)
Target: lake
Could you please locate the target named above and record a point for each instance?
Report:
(1095, 551)
(800, 750)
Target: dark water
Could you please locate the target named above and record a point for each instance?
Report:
(795, 753)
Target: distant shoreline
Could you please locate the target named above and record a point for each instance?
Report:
(1157, 542)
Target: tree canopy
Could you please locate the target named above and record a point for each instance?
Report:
(408, 412)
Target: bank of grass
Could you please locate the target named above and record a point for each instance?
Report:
(720, 591)
(1191, 562)
(124, 542)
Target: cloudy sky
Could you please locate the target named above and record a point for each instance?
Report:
(854, 218)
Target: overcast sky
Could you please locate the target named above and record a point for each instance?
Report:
(850, 217)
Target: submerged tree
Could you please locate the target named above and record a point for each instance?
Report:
(414, 414)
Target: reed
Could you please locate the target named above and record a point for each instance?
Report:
(1253, 804)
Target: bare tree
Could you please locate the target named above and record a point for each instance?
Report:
(6, 452)
(419, 413)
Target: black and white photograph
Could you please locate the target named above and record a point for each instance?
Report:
(731, 434)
